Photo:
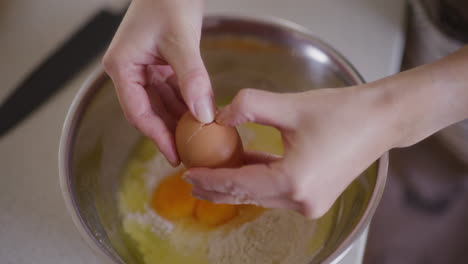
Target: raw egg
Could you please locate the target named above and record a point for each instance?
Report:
(212, 214)
(172, 199)
(207, 145)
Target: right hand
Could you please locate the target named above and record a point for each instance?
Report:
(330, 136)
(155, 63)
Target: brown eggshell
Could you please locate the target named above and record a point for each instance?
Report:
(210, 145)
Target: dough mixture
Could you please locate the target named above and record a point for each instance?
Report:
(253, 235)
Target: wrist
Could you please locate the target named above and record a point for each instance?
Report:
(417, 103)
(384, 114)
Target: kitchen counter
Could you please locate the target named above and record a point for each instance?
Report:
(34, 224)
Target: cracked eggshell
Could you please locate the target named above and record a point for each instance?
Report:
(207, 145)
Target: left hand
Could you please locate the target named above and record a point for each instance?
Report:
(155, 63)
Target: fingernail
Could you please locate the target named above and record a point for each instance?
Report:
(174, 160)
(204, 110)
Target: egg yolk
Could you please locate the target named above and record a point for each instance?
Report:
(212, 214)
(173, 198)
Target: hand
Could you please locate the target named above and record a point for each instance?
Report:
(154, 61)
(330, 136)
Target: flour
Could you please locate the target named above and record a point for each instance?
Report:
(157, 169)
(158, 225)
(277, 236)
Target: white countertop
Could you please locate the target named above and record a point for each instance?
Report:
(34, 224)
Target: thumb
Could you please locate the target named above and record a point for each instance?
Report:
(258, 106)
(193, 80)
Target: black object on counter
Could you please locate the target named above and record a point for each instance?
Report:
(53, 73)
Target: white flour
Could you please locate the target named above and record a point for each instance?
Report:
(277, 236)
(159, 225)
(157, 169)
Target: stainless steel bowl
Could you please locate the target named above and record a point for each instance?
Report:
(239, 52)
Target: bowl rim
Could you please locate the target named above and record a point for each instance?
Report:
(91, 85)
(68, 136)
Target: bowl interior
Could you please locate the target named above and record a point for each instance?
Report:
(238, 53)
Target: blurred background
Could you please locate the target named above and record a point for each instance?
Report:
(421, 218)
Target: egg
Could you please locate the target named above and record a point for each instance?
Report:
(212, 214)
(207, 145)
(173, 199)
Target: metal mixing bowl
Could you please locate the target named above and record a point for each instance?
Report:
(239, 52)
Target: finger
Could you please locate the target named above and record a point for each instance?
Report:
(268, 202)
(137, 108)
(184, 57)
(251, 105)
(152, 126)
(220, 198)
(129, 76)
(251, 181)
(172, 103)
(159, 107)
(253, 157)
(158, 73)
(160, 76)
(280, 202)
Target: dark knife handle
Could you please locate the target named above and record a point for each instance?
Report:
(52, 74)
